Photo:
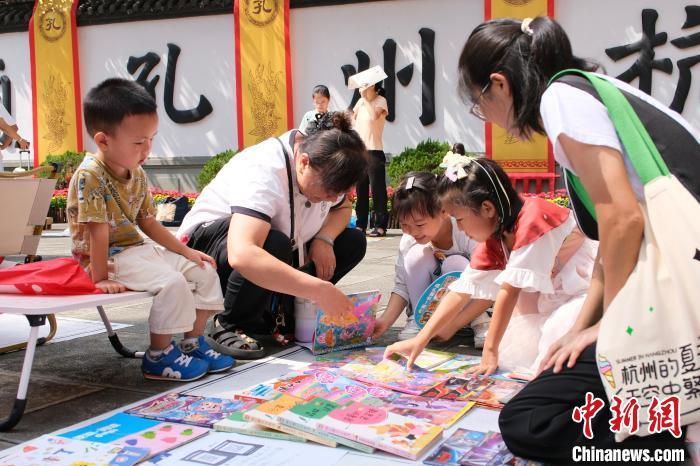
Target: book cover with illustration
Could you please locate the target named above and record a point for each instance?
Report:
(473, 448)
(394, 376)
(498, 393)
(62, 451)
(329, 384)
(305, 417)
(466, 388)
(441, 413)
(430, 299)
(237, 423)
(380, 428)
(267, 414)
(458, 364)
(342, 332)
(132, 431)
(429, 358)
(189, 409)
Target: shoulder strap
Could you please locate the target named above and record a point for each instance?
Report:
(290, 183)
(638, 144)
(115, 194)
(640, 148)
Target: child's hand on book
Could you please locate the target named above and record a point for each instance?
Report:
(489, 363)
(410, 349)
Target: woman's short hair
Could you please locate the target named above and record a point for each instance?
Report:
(336, 151)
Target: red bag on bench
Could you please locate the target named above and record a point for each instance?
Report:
(53, 277)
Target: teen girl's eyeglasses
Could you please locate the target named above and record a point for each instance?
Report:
(476, 108)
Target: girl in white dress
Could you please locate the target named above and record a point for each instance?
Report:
(533, 264)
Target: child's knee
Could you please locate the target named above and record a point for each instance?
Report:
(455, 263)
(418, 257)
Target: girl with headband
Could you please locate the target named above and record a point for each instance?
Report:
(533, 264)
(432, 245)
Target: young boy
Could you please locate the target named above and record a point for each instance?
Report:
(108, 198)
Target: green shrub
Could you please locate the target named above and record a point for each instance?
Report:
(67, 163)
(426, 156)
(212, 167)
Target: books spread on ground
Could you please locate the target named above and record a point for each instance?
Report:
(225, 449)
(355, 399)
(380, 428)
(353, 330)
(61, 451)
(131, 431)
(472, 448)
(394, 376)
(189, 409)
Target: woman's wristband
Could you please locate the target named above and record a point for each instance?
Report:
(325, 239)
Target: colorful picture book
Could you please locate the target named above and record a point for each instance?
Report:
(132, 431)
(458, 364)
(430, 299)
(382, 429)
(441, 413)
(237, 423)
(473, 448)
(465, 388)
(498, 393)
(61, 451)
(189, 409)
(337, 333)
(394, 376)
(305, 417)
(430, 359)
(267, 414)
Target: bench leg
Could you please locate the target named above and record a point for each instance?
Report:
(21, 401)
(114, 338)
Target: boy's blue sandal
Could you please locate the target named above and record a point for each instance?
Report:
(173, 364)
(217, 361)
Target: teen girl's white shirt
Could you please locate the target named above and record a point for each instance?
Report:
(577, 114)
(461, 244)
(255, 183)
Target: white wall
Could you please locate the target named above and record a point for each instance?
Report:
(206, 66)
(323, 39)
(592, 32)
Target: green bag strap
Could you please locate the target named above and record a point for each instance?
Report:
(640, 148)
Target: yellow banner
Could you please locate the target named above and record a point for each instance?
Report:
(513, 155)
(53, 45)
(263, 70)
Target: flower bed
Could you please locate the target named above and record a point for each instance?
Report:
(59, 201)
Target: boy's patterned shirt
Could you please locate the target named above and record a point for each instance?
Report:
(90, 199)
